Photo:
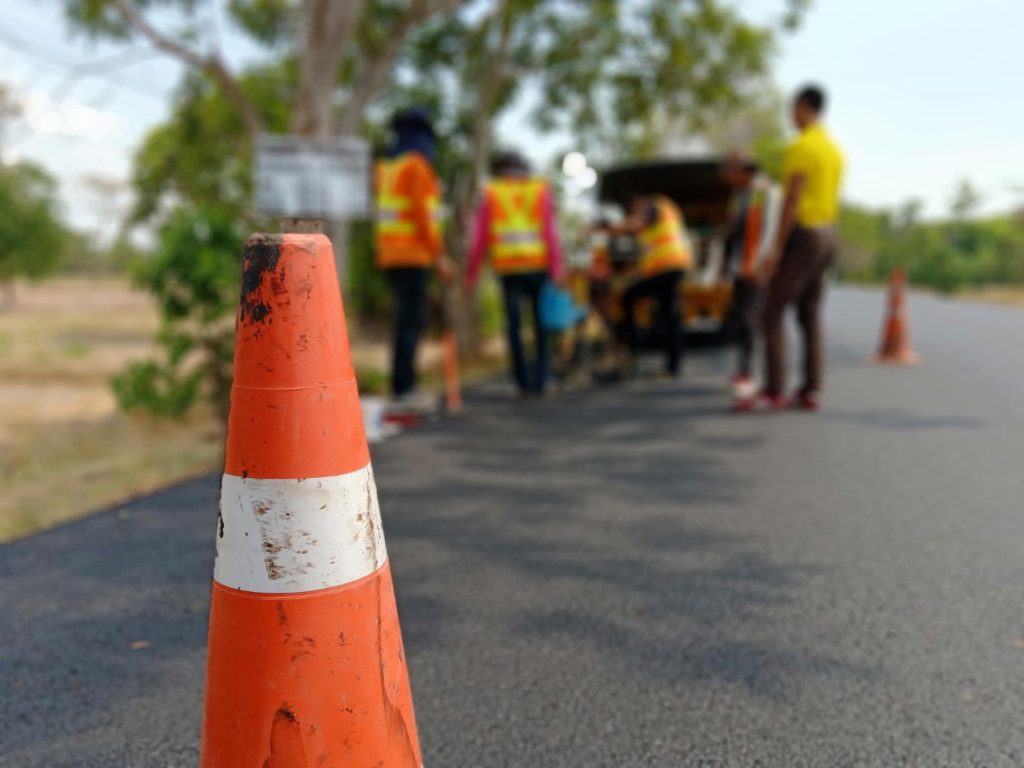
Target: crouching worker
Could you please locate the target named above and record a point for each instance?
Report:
(408, 240)
(664, 257)
(515, 227)
(750, 239)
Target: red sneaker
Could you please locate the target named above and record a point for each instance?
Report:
(805, 401)
(760, 403)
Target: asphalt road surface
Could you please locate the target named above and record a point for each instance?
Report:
(627, 577)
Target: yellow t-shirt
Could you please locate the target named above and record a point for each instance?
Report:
(816, 157)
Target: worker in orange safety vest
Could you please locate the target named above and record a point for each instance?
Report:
(408, 237)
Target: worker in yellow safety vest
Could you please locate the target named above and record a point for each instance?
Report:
(516, 229)
(408, 237)
(664, 256)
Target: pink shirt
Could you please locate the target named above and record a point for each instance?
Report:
(483, 227)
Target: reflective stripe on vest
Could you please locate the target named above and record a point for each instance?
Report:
(663, 243)
(516, 238)
(395, 222)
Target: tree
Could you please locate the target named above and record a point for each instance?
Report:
(947, 255)
(651, 68)
(193, 182)
(612, 76)
(756, 128)
(335, 47)
(193, 175)
(32, 235)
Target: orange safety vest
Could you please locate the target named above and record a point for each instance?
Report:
(399, 231)
(752, 228)
(663, 244)
(516, 240)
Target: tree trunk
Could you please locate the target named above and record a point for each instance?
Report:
(326, 26)
(462, 308)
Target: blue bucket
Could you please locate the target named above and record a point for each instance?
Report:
(558, 311)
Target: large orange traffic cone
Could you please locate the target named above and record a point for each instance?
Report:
(306, 666)
(895, 346)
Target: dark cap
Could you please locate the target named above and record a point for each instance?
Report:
(509, 160)
(413, 117)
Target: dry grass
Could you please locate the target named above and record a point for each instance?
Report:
(1008, 295)
(65, 448)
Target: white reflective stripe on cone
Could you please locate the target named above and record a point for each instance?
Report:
(281, 536)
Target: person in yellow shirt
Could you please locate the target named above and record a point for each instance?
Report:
(804, 248)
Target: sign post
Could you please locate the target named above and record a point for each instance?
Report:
(306, 180)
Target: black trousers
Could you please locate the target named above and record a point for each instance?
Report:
(739, 324)
(664, 288)
(529, 377)
(409, 292)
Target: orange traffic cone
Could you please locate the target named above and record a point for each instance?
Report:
(306, 666)
(452, 383)
(895, 346)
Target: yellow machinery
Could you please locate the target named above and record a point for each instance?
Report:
(697, 188)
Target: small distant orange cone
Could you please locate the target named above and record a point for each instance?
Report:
(306, 666)
(452, 378)
(895, 347)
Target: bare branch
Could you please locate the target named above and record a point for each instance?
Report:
(326, 27)
(212, 64)
(373, 68)
(490, 87)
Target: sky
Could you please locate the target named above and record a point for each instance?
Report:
(923, 94)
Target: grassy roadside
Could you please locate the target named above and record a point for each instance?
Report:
(65, 447)
(1010, 295)
(60, 473)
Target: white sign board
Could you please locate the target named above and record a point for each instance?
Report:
(301, 177)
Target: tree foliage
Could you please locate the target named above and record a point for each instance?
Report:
(960, 251)
(196, 288)
(32, 235)
(623, 75)
(192, 178)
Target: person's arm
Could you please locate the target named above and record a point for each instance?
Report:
(479, 245)
(770, 225)
(556, 263)
(634, 224)
(794, 173)
(422, 188)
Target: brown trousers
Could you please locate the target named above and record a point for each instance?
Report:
(798, 279)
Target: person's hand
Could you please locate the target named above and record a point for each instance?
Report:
(445, 269)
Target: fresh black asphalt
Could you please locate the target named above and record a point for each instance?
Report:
(625, 577)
